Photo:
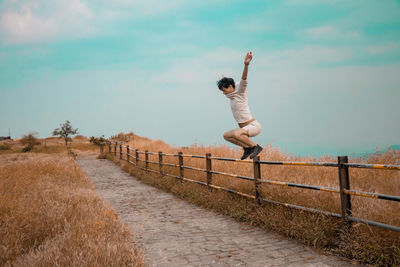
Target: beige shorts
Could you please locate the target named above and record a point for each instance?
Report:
(253, 129)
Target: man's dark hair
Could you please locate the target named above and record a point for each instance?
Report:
(225, 82)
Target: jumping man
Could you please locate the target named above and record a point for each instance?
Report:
(248, 126)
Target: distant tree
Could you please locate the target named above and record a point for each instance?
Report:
(65, 131)
(29, 141)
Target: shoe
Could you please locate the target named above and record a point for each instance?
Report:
(246, 153)
(255, 151)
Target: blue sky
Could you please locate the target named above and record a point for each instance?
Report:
(325, 77)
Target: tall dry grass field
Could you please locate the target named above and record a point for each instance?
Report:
(49, 145)
(50, 215)
(385, 244)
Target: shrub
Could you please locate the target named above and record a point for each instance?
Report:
(27, 148)
(29, 140)
(98, 140)
(5, 146)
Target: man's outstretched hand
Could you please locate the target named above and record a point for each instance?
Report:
(248, 58)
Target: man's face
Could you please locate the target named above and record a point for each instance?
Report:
(228, 90)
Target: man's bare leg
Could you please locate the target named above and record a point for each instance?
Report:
(235, 141)
(239, 137)
(230, 137)
(244, 138)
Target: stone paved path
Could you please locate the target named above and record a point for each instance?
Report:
(172, 232)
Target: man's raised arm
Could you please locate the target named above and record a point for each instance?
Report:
(247, 59)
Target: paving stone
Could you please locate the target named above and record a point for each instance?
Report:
(172, 232)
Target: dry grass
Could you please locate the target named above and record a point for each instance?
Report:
(80, 137)
(50, 215)
(369, 245)
(80, 145)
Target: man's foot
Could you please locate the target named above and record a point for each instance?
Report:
(246, 153)
(255, 151)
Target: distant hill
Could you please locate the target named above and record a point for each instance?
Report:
(378, 152)
(394, 147)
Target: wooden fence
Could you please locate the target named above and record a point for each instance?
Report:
(343, 175)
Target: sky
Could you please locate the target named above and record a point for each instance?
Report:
(324, 79)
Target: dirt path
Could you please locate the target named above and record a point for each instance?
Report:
(172, 232)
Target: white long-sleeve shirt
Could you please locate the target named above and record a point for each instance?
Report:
(239, 102)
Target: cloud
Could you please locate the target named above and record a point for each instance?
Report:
(332, 33)
(311, 2)
(324, 30)
(205, 66)
(307, 56)
(26, 26)
(253, 25)
(210, 65)
(355, 17)
(42, 21)
(137, 9)
(144, 8)
(39, 21)
(381, 49)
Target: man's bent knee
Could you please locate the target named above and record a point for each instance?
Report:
(227, 136)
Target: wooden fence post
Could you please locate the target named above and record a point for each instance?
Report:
(180, 165)
(160, 162)
(344, 184)
(115, 149)
(257, 176)
(146, 157)
(127, 153)
(120, 151)
(137, 157)
(208, 167)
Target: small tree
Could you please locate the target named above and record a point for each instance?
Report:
(65, 131)
(29, 140)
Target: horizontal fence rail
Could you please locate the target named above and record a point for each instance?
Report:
(322, 164)
(342, 165)
(373, 166)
